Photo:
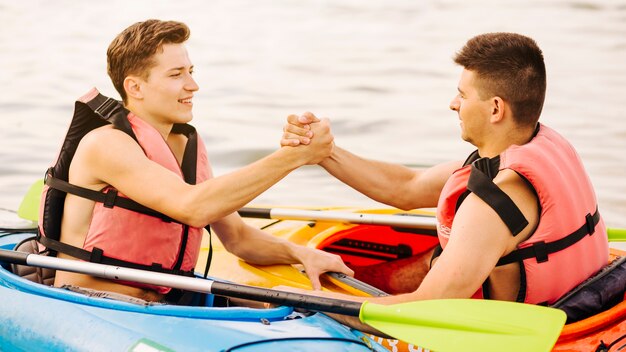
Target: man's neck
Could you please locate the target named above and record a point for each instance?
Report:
(505, 139)
(162, 127)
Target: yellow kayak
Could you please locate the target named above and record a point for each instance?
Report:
(367, 245)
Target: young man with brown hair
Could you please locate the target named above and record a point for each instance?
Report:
(150, 68)
(518, 220)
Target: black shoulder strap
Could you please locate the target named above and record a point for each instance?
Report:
(190, 155)
(113, 111)
(188, 166)
(481, 183)
(540, 250)
(471, 158)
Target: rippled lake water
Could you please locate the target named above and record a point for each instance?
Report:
(381, 70)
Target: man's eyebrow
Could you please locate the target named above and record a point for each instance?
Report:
(181, 68)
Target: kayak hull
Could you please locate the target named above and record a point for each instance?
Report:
(35, 317)
(355, 242)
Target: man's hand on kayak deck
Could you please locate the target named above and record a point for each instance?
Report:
(297, 130)
(317, 262)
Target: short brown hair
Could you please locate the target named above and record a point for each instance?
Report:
(132, 51)
(510, 66)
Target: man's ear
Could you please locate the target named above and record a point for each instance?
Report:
(132, 86)
(497, 109)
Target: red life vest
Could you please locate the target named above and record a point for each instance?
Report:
(569, 243)
(123, 232)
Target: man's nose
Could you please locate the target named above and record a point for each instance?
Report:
(191, 84)
(454, 104)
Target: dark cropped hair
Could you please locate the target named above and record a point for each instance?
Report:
(132, 51)
(510, 66)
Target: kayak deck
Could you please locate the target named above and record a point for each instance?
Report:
(366, 246)
(36, 317)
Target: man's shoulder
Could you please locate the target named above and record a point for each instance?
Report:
(105, 136)
(105, 142)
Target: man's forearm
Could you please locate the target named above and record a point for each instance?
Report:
(384, 182)
(220, 196)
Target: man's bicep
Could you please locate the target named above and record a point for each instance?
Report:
(427, 184)
(478, 227)
(123, 165)
(478, 239)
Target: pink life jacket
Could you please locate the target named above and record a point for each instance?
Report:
(569, 243)
(123, 232)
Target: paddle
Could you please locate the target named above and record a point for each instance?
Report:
(29, 209)
(406, 220)
(617, 235)
(441, 325)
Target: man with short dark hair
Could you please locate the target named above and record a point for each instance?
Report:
(518, 220)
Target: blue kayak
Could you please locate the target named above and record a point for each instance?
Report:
(35, 317)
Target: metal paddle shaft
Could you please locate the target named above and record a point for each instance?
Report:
(405, 220)
(185, 283)
(442, 325)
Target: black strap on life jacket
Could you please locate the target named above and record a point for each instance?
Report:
(541, 250)
(480, 182)
(109, 197)
(87, 116)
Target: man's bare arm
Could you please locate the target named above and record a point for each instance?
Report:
(111, 157)
(392, 184)
(388, 183)
(259, 247)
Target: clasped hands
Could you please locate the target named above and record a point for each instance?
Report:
(311, 132)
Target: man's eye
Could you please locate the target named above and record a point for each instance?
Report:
(175, 74)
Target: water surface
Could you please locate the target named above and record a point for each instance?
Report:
(381, 70)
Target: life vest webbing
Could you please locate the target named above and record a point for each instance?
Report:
(188, 168)
(96, 256)
(108, 198)
(113, 111)
(541, 250)
(481, 184)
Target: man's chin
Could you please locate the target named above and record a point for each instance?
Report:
(184, 118)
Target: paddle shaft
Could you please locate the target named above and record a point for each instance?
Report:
(406, 220)
(443, 325)
(401, 220)
(186, 283)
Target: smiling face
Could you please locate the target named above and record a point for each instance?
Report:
(474, 112)
(164, 95)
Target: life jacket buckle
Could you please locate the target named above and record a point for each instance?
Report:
(106, 109)
(48, 174)
(109, 199)
(483, 165)
(541, 251)
(591, 226)
(96, 255)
